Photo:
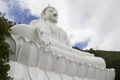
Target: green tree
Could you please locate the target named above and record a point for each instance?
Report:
(112, 59)
(4, 47)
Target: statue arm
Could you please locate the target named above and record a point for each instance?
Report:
(26, 31)
(67, 41)
(38, 34)
(57, 44)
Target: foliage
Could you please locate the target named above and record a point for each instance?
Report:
(112, 59)
(4, 47)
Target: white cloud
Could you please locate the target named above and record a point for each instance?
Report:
(3, 6)
(112, 41)
(96, 20)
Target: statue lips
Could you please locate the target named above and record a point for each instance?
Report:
(55, 16)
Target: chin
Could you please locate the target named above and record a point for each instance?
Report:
(54, 20)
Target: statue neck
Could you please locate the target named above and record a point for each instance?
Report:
(50, 22)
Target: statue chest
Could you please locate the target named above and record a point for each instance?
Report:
(58, 34)
(55, 33)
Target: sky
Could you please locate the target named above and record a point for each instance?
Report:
(88, 23)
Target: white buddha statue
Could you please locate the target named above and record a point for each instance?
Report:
(45, 33)
(45, 46)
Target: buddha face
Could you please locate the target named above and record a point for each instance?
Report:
(51, 15)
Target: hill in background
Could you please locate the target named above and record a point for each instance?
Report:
(112, 59)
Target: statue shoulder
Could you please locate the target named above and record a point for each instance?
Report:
(21, 28)
(34, 22)
(24, 30)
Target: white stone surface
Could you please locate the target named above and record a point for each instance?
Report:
(53, 75)
(66, 77)
(43, 52)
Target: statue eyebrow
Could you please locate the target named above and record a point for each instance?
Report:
(51, 10)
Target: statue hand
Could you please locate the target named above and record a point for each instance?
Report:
(43, 34)
(46, 38)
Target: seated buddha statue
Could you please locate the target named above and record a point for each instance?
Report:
(44, 45)
(45, 32)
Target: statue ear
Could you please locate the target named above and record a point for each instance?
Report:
(43, 17)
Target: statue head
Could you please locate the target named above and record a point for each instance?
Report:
(50, 14)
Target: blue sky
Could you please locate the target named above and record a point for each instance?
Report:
(81, 45)
(22, 16)
(18, 14)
